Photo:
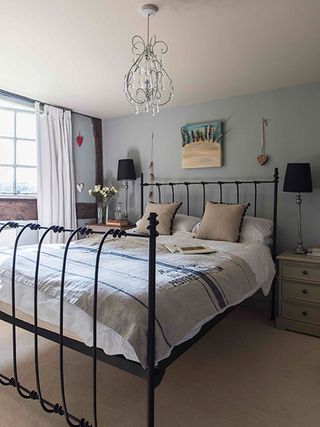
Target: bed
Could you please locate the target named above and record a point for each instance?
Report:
(127, 301)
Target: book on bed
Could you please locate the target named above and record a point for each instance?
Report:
(189, 250)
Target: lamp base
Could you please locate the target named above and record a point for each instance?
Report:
(300, 250)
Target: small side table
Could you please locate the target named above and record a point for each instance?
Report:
(105, 227)
(299, 293)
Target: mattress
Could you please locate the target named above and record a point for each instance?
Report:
(191, 289)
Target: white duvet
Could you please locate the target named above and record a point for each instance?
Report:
(122, 264)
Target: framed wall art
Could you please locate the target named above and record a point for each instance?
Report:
(202, 145)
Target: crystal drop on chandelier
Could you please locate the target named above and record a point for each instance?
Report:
(147, 84)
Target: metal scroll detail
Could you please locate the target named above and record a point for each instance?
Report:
(24, 392)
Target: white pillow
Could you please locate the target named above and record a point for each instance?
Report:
(196, 228)
(254, 229)
(181, 223)
(184, 222)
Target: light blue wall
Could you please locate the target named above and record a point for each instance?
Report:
(84, 156)
(293, 135)
(84, 159)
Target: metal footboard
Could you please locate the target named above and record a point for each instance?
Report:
(151, 374)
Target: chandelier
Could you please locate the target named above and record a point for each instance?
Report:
(147, 85)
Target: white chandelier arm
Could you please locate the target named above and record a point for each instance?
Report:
(163, 47)
(128, 80)
(137, 44)
(170, 84)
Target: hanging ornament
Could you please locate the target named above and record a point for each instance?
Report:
(79, 140)
(80, 186)
(151, 171)
(263, 157)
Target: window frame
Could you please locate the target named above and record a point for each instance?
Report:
(15, 165)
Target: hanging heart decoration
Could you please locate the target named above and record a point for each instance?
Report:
(263, 157)
(79, 139)
(80, 186)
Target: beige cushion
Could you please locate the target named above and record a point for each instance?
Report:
(221, 222)
(166, 213)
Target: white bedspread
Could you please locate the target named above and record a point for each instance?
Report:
(191, 289)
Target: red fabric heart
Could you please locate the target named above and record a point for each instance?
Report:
(79, 140)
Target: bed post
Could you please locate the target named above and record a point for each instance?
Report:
(141, 195)
(152, 227)
(274, 238)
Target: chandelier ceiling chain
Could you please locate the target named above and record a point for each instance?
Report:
(147, 85)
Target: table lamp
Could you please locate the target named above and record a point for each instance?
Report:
(126, 172)
(298, 180)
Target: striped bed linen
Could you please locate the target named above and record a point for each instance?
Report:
(191, 289)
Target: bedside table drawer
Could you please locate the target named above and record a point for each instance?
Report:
(302, 272)
(301, 313)
(301, 291)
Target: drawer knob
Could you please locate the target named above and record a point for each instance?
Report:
(305, 313)
(305, 291)
(305, 272)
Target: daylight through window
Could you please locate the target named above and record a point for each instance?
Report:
(18, 151)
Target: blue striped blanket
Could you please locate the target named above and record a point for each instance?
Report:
(191, 289)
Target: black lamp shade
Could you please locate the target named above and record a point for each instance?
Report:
(298, 178)
(126, 170)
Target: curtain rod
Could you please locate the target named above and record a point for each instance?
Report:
(27, 99)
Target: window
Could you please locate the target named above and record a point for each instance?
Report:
(18, 150)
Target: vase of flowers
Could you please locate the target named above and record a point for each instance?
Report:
(110, 194)
(103, 195)
(99, 212)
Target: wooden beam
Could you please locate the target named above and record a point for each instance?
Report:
(18, 209)
(86, 210)
(26, 209)
(97, 133)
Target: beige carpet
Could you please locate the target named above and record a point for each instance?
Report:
(244, 373)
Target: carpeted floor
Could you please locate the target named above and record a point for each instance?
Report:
(244, 373)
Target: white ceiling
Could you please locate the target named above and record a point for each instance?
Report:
(76, 52)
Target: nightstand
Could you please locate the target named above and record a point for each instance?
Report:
(299, 293)
(105, 227)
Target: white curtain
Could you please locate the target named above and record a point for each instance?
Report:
(56, 182)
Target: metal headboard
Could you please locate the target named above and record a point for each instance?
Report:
(220, 184)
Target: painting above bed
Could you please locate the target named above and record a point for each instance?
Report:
(202, 145)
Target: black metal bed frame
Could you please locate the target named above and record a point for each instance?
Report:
(154, 373)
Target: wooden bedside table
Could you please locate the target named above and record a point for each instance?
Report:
(299, 293)
(105, 227)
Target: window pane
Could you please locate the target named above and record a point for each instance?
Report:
(6, 179)
(26, 153)
(6, 151)
(6, 123)
(26, 180)
(26, 125)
